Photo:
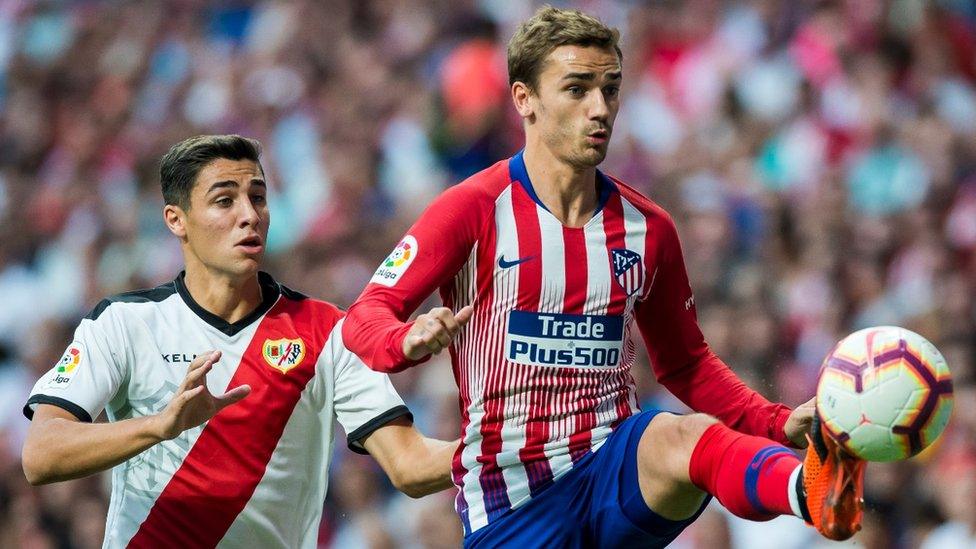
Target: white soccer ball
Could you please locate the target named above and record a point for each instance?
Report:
(884, 393)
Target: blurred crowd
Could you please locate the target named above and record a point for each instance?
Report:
(819, 158)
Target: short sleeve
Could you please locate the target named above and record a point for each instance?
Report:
(89, 373)
(364, 400)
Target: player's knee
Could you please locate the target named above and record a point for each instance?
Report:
(670, 440)
(688, 430)
(692, 427)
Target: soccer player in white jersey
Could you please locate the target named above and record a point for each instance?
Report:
(220, 387)
(553, 264)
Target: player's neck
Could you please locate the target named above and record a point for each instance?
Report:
(230, 298)
(568, 192)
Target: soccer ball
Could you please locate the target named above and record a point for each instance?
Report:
(884, 393)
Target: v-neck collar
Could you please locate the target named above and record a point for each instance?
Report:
(270, 291)
(518, 172)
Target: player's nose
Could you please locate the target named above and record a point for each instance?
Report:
(248, 215)
(597, 107)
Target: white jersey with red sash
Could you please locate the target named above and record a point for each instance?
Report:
(255, 475)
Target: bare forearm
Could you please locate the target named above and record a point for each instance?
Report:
(59, 449)
(427, 470)
(417, 465)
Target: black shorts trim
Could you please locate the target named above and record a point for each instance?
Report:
(354, 438)
(78, 411)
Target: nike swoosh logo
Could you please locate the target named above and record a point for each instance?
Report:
(509, 264)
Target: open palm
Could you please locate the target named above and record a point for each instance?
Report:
(194, 404)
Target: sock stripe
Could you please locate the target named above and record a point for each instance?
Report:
(749, 475)
(752, 474)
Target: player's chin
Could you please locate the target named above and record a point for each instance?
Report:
(248, 264)
(592, 155)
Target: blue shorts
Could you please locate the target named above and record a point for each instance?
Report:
(597, 504)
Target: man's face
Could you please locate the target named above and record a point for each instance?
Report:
(576, 103)
(226, 226)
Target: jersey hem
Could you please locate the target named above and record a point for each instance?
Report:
(76, 410)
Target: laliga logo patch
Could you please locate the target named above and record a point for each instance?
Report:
(283, 354)
(396, 263)
(65, 370)
(628, 270)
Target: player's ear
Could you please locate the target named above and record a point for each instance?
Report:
(521, 94)
(175, 219)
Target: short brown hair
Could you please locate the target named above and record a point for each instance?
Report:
(548, 29)
(180, 166)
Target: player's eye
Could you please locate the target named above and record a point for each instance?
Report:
(575, 91)
(224, 202)
(259, 199)
(611, 91)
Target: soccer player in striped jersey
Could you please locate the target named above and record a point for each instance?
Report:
(545, 266)
(228, 446)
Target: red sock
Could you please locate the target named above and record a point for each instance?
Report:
(749, 475)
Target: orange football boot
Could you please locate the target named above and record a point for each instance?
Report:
(832, 491)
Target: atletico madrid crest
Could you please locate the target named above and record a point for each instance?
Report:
(283, 354)
(628, 269)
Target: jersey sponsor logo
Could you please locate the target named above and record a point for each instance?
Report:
(561, 340)
(504, 264)
(176, 358)
(283, 354)
(628, 269)
(396, 263)
(65, 369)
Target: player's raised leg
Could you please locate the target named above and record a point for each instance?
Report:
(682, 457)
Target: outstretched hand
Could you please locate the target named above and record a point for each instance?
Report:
(193, 403)
(798, 424)
(434, 331)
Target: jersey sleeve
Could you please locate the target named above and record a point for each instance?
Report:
(429, 255)
(683, 362)
(364, 400)
(90, 371)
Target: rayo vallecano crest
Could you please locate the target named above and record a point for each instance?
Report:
(283, 354)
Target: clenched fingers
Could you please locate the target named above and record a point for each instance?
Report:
(437, 332)
(446, 317)
(434, 331)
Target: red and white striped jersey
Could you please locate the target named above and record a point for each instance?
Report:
(255, 475)
(543, 367)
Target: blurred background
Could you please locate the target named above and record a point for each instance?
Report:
(819, 158)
